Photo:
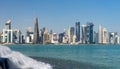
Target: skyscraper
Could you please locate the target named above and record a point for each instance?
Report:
(89, 32)
(112, 37)
(77, 31)
(104, 36)
(42, 31)
(8, 24)
(71, 34)
(36, 32)
(83, 27)
(61, 35)
(99, 34)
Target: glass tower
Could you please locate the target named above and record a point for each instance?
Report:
(77, 31)
(36, 32)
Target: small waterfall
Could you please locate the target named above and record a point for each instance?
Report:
(16, 60)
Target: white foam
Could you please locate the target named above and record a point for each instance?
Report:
(16, 60)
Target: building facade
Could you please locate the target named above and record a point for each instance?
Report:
(89, 33)
(104, 36)
(29, 35)
(36, 32)
(84, 37)
(71, 34)
(77, 26)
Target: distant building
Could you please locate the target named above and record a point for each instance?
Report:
(77, 26)
(117, 39)
(29, 35)
(65, 39)
(84, 35)
(95, 37)
(89, 33)
(46, 37)
(1, 37)
(61, 35)
(7, 36)
(11, 36)
(54, 38)
(74, 39)
(17, 36)
(36, 32)
(7, 33)
(8, 24)
(99, 34)
(70, 34)
(104, 36)
(112, 36)
(42, 31)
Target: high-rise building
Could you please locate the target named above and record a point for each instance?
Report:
(7, 36)
(117, 39)
(71, 34)
(8, 24)
(61, 35)
(54, 38)
(17, 36)
(42, 31)
(11, 36)
(104, 36)
(99, 34)
(77, 31)
(65, 39)
(95, 37)
(8, 33)
(83, 27)
(29, 35)
(36, 32)
(112, 37)
(89, 33)
(74, 39)
(46, 37)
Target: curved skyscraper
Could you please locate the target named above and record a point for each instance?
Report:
(36, 32)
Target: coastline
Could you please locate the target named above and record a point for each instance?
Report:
(12, 44)
(68, 64)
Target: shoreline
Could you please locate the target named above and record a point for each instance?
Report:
(67, 64)
(60, 44)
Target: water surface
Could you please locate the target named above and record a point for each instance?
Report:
(94, 56)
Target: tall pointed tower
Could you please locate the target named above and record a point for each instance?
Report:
(36, 32)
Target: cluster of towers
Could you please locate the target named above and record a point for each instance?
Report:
(9, 35)
(81, 34)
(78, 34)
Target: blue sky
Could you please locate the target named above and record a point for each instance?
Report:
(60, 14)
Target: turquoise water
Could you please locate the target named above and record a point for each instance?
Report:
(101, 55)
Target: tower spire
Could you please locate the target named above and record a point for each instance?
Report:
(36, 32)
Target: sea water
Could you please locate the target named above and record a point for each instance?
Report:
(96, 55)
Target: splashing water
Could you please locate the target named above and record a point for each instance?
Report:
(16, 60)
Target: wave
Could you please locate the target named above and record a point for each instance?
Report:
(17, 60)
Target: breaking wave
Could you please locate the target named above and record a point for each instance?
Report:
(17, 60)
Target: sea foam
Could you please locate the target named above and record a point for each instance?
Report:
(16, 60)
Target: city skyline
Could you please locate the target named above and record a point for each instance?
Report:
(55, 13)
